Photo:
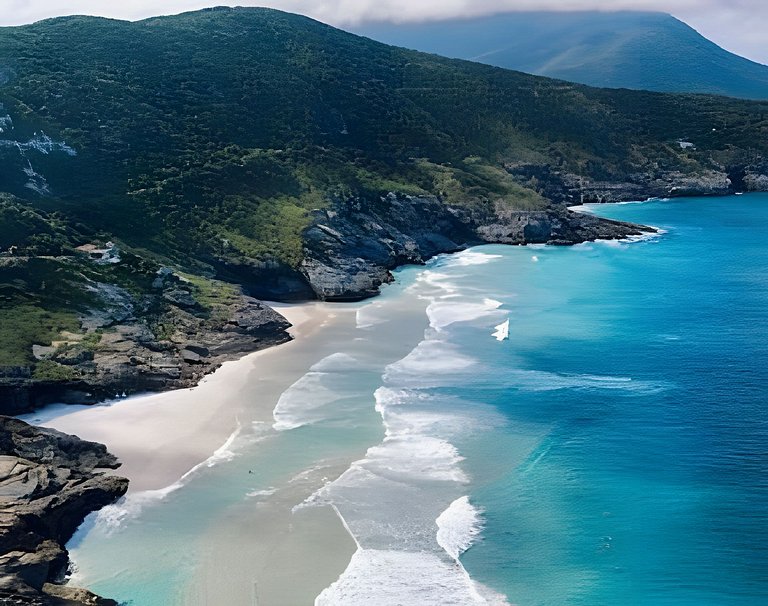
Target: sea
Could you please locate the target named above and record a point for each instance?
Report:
(612, 452)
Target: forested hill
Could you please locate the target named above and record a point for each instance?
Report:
(625, 49)
(151, 169)
(175, 133)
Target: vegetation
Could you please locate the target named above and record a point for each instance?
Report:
(211, 137)
(28, 325)
(48, 370)
(213, 134)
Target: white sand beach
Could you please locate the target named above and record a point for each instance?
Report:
(159, 437)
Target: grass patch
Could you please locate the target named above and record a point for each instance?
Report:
(23, 326)
(48, 370)
(215, 296)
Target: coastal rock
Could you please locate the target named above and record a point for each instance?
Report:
(182, 298)
(350, 249)
(197, 348)
(756, 182)
(269, 279)
(566, 188)
(49, 482)
(190, 357)
(73, 356)
(147, 353)
(555, 226)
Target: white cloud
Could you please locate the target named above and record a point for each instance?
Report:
(738, 25)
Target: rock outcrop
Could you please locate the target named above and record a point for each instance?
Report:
(49, 482)
(351, 248)
(140, 351)
(570, 189)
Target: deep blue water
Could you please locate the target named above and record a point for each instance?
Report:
(632, 465)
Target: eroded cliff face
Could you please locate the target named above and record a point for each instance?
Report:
(565, 188)
(350, 249)
(49, 482)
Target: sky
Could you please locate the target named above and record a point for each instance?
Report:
(737, 25)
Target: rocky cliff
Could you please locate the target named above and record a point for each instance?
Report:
(564, 187)
(137, 349)
(49, 482)
(349, 250)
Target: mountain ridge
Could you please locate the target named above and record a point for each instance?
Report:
(616, 49)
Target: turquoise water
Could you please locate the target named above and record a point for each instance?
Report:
(613, 452)
(637, 373)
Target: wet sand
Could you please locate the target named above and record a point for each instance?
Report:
(161, 437)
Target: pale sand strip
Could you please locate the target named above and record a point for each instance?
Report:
(159, 437)
(291, 557)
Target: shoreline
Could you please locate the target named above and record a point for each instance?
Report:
(161, 437)
(164, 439)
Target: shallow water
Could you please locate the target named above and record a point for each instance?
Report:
(613, 451)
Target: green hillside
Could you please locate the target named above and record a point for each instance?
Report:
(228, 125)
(638, 50)
(208, 140)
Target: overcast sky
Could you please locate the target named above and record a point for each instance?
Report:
(740, 26)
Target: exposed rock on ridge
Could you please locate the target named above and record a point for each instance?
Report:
(568, 188)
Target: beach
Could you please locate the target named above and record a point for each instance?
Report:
(162, 439)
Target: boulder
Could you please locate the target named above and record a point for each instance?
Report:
(49, 482)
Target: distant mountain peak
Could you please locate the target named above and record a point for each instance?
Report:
(623, 49)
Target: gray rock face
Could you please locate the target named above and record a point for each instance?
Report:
(350, 251)
(73, 356)
(570, 189)
(554, 226)
(49, 482)
(182, 298)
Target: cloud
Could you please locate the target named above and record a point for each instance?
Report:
(738, 25)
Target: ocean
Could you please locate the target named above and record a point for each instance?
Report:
(613, 451)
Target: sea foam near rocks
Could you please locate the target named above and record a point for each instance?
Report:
(402, 503)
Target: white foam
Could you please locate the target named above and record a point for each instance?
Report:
(336, 362)
(391, 500)
(539, 380)
(302, 402)
(394, 578)
(370, 315)
(431, 363)
(431, 284)
(458, 527)
(466, 258)
(442, 313)
(256, 494)
(414, 457)
(222, 453)
(112, 517)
